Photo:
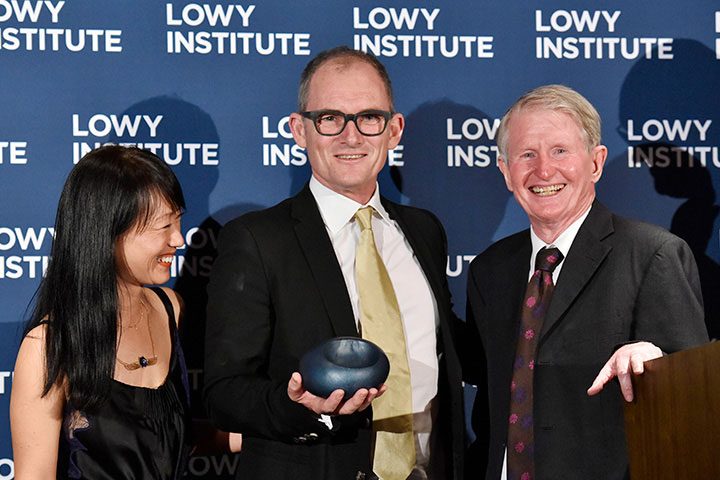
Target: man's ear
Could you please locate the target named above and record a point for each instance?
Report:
(396, 125)
(297, 127)
(505, 170)
(599, 155)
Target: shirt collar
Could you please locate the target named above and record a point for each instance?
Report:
(337, 210)
(563, 242)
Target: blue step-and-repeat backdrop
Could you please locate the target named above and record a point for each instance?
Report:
(209, 86)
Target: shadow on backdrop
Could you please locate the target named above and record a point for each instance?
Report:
(468, 200)
(184, 123)
(679, 97)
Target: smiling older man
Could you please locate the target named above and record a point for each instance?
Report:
(581, 297)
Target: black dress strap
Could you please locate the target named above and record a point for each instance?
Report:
(166, 302)
(180, 356)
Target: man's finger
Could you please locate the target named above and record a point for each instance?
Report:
(638, 364)
(295, 386)
(602, 378)
(626, 386)
(372, 395)
(333, 401)
(355, 402)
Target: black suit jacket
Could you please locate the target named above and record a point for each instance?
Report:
(276, 291)
(622, 281)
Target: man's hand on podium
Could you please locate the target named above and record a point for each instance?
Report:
(626, 360)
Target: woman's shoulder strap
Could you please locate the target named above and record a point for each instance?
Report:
(166, 302)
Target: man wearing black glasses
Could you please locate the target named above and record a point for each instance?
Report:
(286, 280)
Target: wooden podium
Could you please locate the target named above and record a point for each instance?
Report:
(673, 425)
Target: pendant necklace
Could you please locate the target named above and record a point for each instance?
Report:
(142, 361)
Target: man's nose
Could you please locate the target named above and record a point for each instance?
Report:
(351, 135)
(544, 166)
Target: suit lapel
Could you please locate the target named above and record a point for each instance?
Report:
(518, 264)
(318, 250)
(515, 268)
(585, 256)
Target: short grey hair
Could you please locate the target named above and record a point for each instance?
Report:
(560, 98)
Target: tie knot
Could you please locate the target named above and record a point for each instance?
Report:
(548, 258)
(364, 217)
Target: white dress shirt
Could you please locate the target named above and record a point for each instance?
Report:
(418, 308)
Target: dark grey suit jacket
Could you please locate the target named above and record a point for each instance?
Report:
(622, 281)
(276, 291)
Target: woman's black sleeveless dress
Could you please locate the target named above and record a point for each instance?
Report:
(138, 433)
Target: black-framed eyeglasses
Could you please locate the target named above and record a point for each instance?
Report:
(332, 122)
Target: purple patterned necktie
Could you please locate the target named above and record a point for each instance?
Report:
(520, 446)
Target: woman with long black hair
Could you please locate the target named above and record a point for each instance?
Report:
(100, 387)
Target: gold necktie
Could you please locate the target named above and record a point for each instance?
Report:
(394, 452)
